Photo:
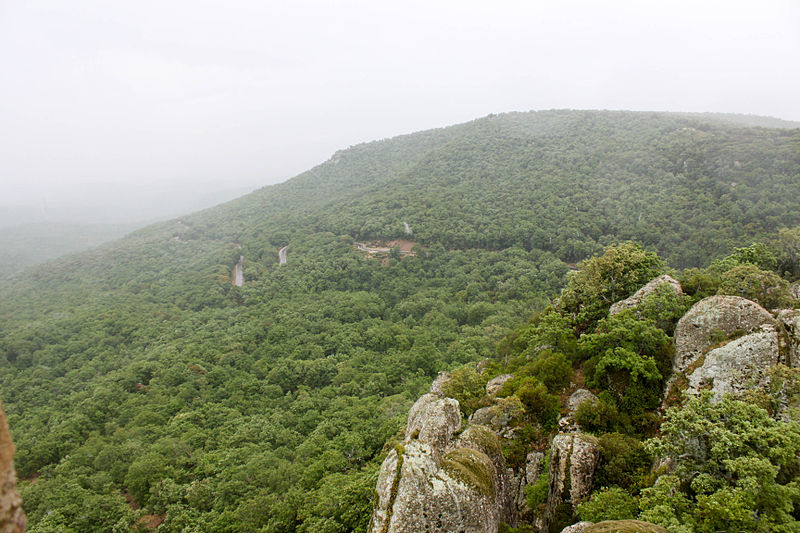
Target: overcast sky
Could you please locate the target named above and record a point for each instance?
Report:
(105, 99)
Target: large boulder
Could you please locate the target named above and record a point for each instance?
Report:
(416, 493)
(433, 420)
(711, 317)
(506, 484)
(639, 296)
(499, 416)
(738, 365)
(437, 482)
(573, 461)
(12, 517)
(624, 526)
(577, 528)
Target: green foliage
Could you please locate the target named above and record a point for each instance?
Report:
(552, 369)
(466, 386)
(623, 462)
(627, 356)
(602, 416)
(664, 307)
(788, 246)
(137, 368)
(730, 460)
(761, 286)
(612, 503)
(540, 405)
(605, 279)
(546, 330)
(536, 492)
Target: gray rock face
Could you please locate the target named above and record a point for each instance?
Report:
(577, 398)
(534, 464)
(644, 292)
(438, 483)
(573, 461)
(12, 517)
(418, 494)
(577, 528)
(714, 315)
(495, 384)
(624, 526)
(790, 320)
(440, 381)
(741, 364)
(498, 416)
(433, 420)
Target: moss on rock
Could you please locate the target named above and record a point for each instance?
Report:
(624, 526)
(472, 468)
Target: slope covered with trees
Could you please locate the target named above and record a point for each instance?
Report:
(143, 388)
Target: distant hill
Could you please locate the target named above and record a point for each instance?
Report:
(139, 380)
(25, 245)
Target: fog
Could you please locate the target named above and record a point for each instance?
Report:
(133, 110)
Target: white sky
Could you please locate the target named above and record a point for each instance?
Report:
(109, 99)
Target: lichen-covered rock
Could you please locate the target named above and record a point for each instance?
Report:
(577, 398)
(436, 482)
(12, 517)
(495, 384)
(718, 315)
(577, 528)
(499, 416)
(417, 494)
(506, 483)
(790, 320)
(573, 461)
(534, 464)
(437, 387)
(433, 420)
(624, 526)
(738, 365)
(639, 296)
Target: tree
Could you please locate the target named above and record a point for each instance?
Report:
(735, 468)
(605, 279)
(749, 281)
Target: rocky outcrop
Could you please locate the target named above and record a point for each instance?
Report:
(639, 296)
(795, 289)
(740, 364)
(433, 420)
(576, 528)
(573, 461)
(12, 517)
(435, 482)
(577, 398)
(790, 321)
(437, 387)
(495, 384)
(711, 317)
(499, 416)
(624, 526)
(417, 493)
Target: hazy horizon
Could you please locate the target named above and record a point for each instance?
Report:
(114, 111)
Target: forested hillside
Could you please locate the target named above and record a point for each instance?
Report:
(143, 388)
